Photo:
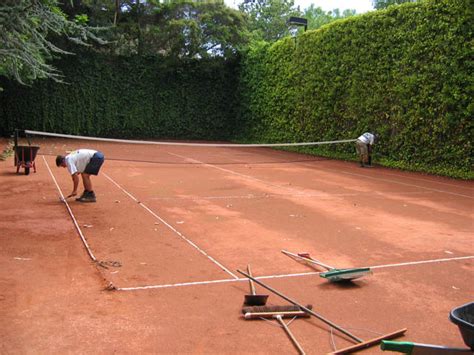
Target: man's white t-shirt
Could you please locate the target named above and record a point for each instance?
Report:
(367, 138)
(77, 160)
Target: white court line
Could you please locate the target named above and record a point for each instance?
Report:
(394, 181)
(84, 241)
(151, 287)
(249, 177)
(423, 262)
(297, 195)
(181, 235)
(427, 180)
(328, 169)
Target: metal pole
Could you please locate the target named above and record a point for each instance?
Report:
(307, 310)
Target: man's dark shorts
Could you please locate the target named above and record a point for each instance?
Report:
(94, 164)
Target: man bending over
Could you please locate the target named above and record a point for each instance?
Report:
(84, 162)
(364, 148)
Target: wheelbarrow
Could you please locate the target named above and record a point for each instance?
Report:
(462, 316)
(25, 157)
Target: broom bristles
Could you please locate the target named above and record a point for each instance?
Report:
(288, 314)
(263, 309)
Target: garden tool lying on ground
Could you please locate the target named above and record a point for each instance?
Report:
(253, 299)
(279, 317)
(462, 316)
(406, 347)
(361, 344)
(333, 274)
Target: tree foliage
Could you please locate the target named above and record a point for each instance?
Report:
(383, 4)
(317, 17)
(190, 30)
(267, 18)
(26, 28)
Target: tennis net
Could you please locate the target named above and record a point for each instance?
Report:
(178, 152)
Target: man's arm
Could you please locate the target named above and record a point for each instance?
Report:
(75, 181)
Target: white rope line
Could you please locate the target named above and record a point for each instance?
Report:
(224, 145)
(423, 262)
(296, 195)
(427, 180)
(395, 182)
(249, 177)
(181, 235)
(84, 241)
(182, 284)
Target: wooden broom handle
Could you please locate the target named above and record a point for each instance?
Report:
(370, 342)
(307, 310)
(252, 286)
(293, 339)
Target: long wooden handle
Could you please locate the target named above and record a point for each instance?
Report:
(252, 286)
(370, 342)
(293, 339)
(307, 259)
(307, 310)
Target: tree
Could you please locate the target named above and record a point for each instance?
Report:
(267, 18)
(25, 29)
(383, 4)
(196, 31)
(317, 17)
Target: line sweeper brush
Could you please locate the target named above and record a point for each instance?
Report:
(332, 274)
(360, 344)
(253, 299)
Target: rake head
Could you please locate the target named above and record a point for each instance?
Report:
(337, 275)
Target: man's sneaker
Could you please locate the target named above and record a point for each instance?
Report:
(83, 194)
(88, 196)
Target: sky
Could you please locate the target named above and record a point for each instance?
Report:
(360, 6)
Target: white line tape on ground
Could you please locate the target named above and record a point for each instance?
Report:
(151, 287)
(84, 241)
(181, 235)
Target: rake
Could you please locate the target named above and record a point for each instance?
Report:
(332, 274)
(279, 317)
(360, 344)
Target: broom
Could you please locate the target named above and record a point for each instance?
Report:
(332, 274)
(360, 344)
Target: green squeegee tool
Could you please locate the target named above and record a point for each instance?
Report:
(332, 274)
(406, 347)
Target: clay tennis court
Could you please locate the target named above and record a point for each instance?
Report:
(168, 236)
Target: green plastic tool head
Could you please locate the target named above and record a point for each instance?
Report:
(336, 275)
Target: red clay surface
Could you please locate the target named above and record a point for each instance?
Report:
(173, 235)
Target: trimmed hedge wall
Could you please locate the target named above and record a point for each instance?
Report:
(127, 97)
(405, 73)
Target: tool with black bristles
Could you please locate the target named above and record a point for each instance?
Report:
(262, 309)
(332, 274)
(253, 299)
(360, 344)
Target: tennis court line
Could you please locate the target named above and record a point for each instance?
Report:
(297, 195)
(181, 235)
(427, 180)
(83, 238)
(396, 182)
(249, 177)
(306, 164)
(210, 282)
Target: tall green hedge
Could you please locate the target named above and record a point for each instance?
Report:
(405, 73)
(127, 97)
